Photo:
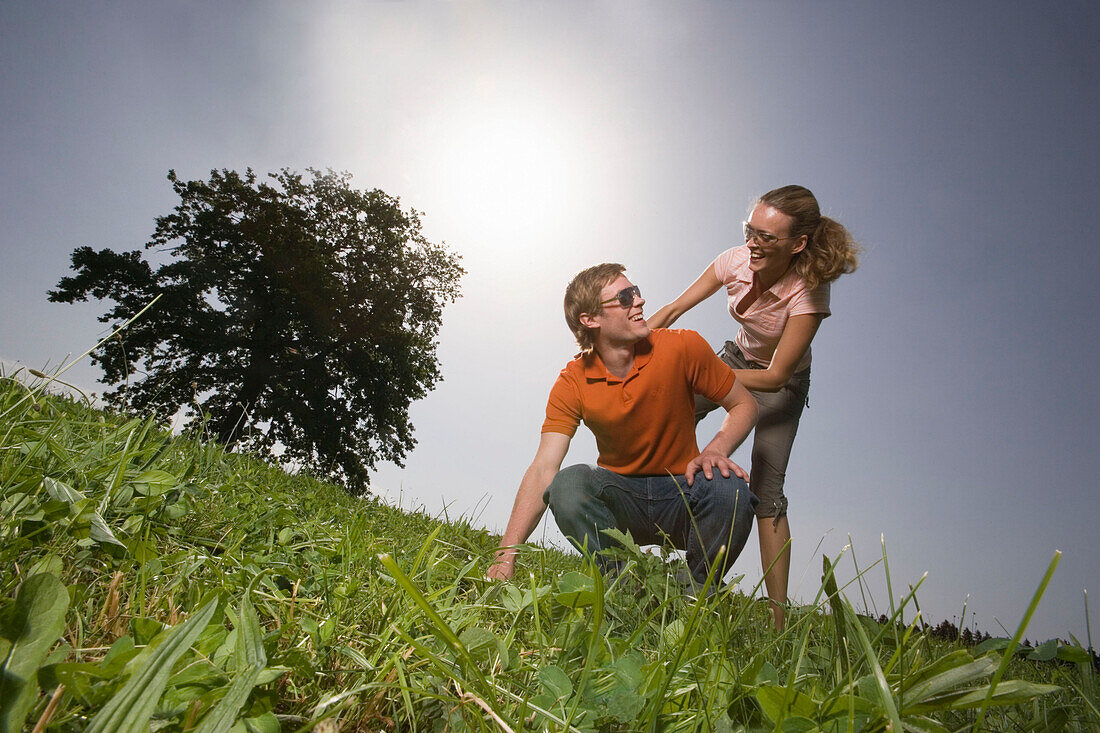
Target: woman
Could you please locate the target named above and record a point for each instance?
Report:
(778, 291)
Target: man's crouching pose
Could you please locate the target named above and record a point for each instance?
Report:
(634, 388)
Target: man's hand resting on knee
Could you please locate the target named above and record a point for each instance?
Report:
(708, 463)
(740, 417)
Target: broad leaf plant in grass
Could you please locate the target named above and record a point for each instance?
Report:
(157, 582)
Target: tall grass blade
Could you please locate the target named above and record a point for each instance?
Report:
(54, 377)
(1010, 650)
(889, 582)
(597, 622)
(440, 627)
(223, 715)
(31, 627)
(859, 577)
(679, 651)
(1089, 702)
(249, 651)
(129, 710)
(828, 581)
(250, 658)
(1088, 619)
(883, 687)
(1012, 692)
(961, 669)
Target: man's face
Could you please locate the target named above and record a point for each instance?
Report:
(617, 324)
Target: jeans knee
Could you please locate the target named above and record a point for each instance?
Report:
(732, 497)
(571, 488)
(745, 502)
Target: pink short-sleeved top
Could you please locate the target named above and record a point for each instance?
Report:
(762, 324)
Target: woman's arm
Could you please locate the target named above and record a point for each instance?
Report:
(796, 338)
(704, 287)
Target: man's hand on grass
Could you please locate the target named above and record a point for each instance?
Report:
(502, 568)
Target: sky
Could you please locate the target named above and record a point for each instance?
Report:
(953, 410)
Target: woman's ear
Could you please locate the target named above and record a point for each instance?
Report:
(800, 245)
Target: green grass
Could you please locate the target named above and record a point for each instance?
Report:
(155, 582)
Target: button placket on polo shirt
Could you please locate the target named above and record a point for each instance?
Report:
(640, 360)
(620, 386)
(627, 394)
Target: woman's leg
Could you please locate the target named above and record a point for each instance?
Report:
(773, 438)
(771, 450)
(775, 559)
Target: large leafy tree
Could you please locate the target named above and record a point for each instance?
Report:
(294, 310)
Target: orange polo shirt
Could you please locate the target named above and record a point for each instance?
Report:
(644, 424)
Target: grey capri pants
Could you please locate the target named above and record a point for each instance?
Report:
(774, 434)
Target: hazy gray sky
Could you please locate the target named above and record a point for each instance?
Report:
(953, 406)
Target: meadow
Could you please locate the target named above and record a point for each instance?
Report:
(155, 582)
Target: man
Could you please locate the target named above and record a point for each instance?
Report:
(634, 388)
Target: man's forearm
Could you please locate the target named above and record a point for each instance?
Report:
(527, 511)
(736, 426)
(529, 506)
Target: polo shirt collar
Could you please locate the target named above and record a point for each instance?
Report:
(744, 274)
(595, 371)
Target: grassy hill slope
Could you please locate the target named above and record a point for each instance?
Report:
(155, 582)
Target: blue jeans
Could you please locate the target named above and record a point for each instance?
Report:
(701, 519)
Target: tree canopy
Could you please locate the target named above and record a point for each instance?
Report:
(294, 310)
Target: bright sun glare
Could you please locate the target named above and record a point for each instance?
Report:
(511, 170)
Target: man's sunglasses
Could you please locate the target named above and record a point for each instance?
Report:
(625, 297)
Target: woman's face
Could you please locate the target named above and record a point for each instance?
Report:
(768, 237)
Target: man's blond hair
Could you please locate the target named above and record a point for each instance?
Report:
(582, 295)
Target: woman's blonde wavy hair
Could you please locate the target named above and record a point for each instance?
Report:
(830, 252)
